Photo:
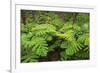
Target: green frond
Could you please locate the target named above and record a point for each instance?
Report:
(66, 27)
(49, 35)
(83, 54)
(84, 39)
(71, 47)
(69, 26)
(29, 58)
(63, 56)
(43, 29)
(64, 44)
(39, 46)
(25, 40)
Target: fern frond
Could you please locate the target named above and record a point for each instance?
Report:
(25, 40)
(39, 46)
(43, 29)
(84, 39)
(29, 58)
(69, 26)
(46, 35)
(71, 47)
(83, 54)
(66, 27)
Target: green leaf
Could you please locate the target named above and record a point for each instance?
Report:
(39, 46)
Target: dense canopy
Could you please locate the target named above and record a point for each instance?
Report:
(54, 36)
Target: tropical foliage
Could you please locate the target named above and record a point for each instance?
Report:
(54, 36)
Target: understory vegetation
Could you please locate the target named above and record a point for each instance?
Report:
(54, 36)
